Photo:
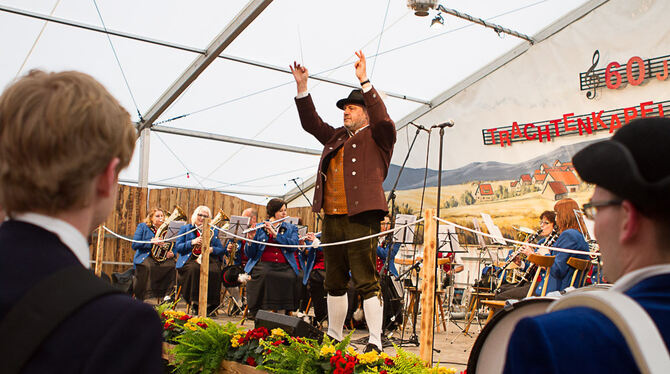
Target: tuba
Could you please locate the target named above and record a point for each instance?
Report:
(159, 251)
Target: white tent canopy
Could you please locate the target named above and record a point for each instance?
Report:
(247, 96)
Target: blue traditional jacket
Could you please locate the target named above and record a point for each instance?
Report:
(184, 247)
(287, 234)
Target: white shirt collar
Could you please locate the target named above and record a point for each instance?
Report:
(67, 233)
(627, 281)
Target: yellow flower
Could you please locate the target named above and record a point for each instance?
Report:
(368, 358)
(384, 355)
(327, 350)
(279, 333)
(351, 351)
(190, 326)
(235, 341)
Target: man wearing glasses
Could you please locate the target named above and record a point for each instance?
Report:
(630, 207)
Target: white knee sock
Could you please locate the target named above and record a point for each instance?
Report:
(374, 315)
(337, 312)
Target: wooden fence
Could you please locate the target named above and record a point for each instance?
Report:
(133, 204)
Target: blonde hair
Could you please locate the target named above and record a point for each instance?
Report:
(58, 131)
(150, 216)
(197, 211)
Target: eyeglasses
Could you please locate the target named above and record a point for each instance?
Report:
(203, 215)
(545, 223)
(590, 209)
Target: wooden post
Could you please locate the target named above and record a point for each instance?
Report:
(204, 268)
(99, 250)
(428, 287)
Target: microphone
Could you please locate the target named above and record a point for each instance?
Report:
(448, 123)
(420, 127)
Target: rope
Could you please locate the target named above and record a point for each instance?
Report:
(518, 242)
(326, 244)
(145, 241)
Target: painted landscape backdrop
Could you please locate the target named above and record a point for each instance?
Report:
(513, 194)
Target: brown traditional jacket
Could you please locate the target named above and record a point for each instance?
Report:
(367, 154)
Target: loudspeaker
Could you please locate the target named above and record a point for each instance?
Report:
(293, 326)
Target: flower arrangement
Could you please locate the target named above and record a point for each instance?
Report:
(202, 344)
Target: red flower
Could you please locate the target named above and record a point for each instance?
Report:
(163, 315)
(350, 366)
(388, 362)
(277, 343)
(383, 372)
(202, 324)
(168, 326)
(334, 360)
(251, 361)
(185, 317)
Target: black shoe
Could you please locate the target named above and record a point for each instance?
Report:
(371, 347)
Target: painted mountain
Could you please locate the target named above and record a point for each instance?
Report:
(478, 171)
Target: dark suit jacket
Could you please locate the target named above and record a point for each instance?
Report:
(111, 334)
(367, 154)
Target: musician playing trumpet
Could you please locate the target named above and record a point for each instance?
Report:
(189, 247)
(152, 278)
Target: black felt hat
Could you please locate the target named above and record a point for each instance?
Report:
(355, 97)
(634, 164)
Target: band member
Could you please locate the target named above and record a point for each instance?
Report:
(236, 247)
(630, 207)
(570, 237)
(353, 166)
(548, 235)
(385, 246)
(313, 276)
(189, 247)
(450, 269)
(63, 141)
(152, 278)
(274, 283)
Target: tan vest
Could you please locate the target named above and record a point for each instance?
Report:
(334, 197)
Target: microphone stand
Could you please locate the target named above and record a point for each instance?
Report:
(437, 231)
(318, 216)
(414, 339)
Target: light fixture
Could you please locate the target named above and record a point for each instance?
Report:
(438, 20)
(421, 7)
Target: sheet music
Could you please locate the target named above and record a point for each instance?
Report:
(493, 229)
(302, 231)
(173, 230)
(406, 234)
(447, 234)
(480, 238)
(236, 226)
(292, 220)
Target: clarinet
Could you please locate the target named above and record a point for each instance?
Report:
(518, 252)
(530, 273)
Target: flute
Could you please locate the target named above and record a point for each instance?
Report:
(259, 225)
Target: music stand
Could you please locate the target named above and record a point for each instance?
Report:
(404, 235)
(447, 236)
(236, 226)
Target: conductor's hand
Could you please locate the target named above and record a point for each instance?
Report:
(361, 72)
(300, 74)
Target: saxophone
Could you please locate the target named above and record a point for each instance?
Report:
(159, 251)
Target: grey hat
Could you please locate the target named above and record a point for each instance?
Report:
(634, 164)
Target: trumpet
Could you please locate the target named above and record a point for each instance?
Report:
(159, 251)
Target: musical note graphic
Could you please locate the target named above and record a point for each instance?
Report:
(592, 79)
